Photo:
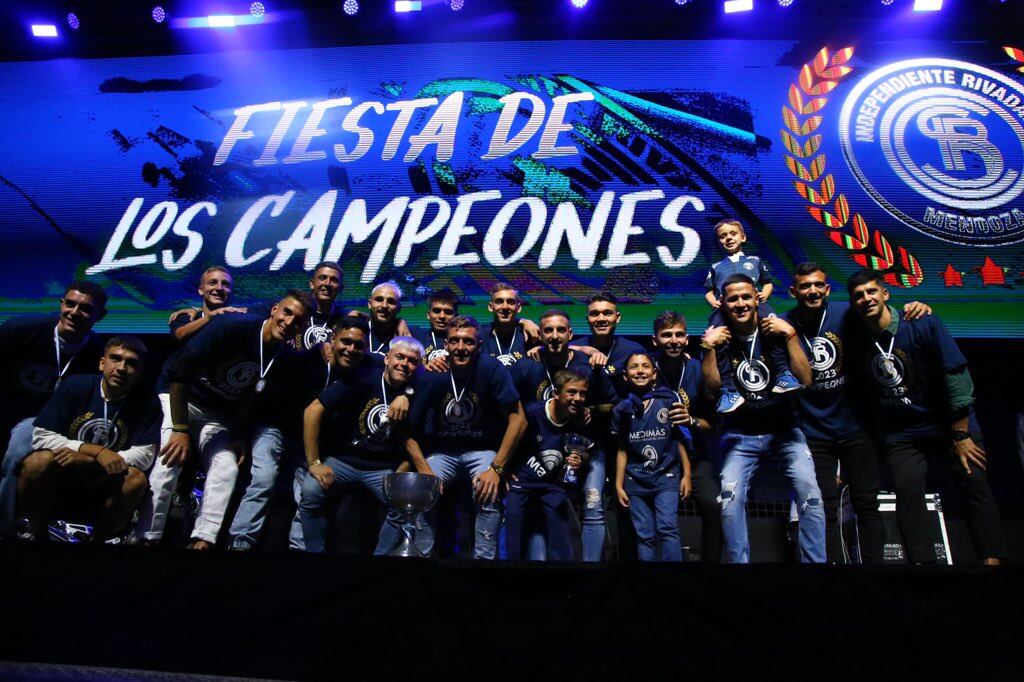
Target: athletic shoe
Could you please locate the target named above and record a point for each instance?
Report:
(786, 383)
(729, 402)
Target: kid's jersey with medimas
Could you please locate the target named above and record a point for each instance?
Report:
(652, 443)
(473, 421)
(433, 343)
(737, 264)
(825, 410)
(762, 411)
(617, 355)
(533, 382)
(354, 428)
(908, 394)
(509, 350)
(541, 456)
(299, 377)
(30, 371)
(75, 411)
(221, 362)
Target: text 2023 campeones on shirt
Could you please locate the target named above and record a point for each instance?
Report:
(474, 421)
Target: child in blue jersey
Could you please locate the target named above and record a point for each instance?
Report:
(652, 469)
(545, 469)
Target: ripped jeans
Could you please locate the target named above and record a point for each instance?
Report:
(788, 449)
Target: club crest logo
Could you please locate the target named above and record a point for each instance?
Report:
(242, 375)
(650, 456)
(314, 336)
(551, 459)
(436, 354)
(376, 417)
(38, 379)
(663, 415)
(506, 359)
(748, 266)
(753, 376)
(888, 371)
(939, 144)
(823, 353)
(98, 431)
(460, 412)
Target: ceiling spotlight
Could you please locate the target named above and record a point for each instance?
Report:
(159, 14)
(887, 2)
(73, 21)
(350, 7)
(785, 3)
(456, 5)
(682, 2)
(257, 9)
(579, 4)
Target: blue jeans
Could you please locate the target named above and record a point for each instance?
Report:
(268, 447)
(741, 455)
(592, 537)
(555, 504)
(18, 448)
(314, 498)
(488, 516)
(655, 515)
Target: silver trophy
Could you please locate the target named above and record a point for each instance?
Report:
(409, 495)
(574, 443)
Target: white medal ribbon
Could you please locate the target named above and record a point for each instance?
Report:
(56, 347)
(377, 349)
(457, 392)
(824, 312)
(262, 383)
(753, 340)
(107, 423)
(551, 382)
(510, 345)
(887, 354)
(682, 374)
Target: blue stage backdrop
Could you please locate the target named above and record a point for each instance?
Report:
(563, 167)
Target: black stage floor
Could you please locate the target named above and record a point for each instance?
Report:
(287, 616)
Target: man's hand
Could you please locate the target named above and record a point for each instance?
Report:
(679, 415)
(176, 451)
(323, 475)
(685, 487)
(587, 416)
(534, 353)
(531, 332)
(762, 296)
(968, 451)
(574, 460)
(111, 462)
(241, 447)
(66, 457)
(776, 326)
(227, 309)
(485, 486)
(915, 310)
(398, 409)
(598, 360)
(192, 313)
(623, 497)
(716, 336)
(438, 364)
(402, 329)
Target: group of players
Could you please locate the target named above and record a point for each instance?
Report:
(532, 417)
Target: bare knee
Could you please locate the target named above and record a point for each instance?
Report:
(37, 465)
(134, 483)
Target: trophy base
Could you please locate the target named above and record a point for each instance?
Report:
(407, 548)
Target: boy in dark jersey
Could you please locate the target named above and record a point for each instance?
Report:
(207, 391)
(731, 237)
(468, 419)
(920, 391)
(765, 425)
(91, 444)
(535, 383)
(442, 306)
(355, 420)
(508, 336)
(540, 468)
(277, 439)
(836, 432)
(695, 410)
(39, 351)
(215, 287)
(652, 468)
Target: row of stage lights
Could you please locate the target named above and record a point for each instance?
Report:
(258, 11)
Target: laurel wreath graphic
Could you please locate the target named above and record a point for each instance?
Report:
(1017, 55)
(807, 98)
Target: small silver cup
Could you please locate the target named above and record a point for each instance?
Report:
(410, 494)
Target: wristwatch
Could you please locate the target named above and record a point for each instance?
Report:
(960, 434)
(315, 463)
(409, 390)
(497, 469)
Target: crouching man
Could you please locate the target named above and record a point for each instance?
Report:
(91, 444)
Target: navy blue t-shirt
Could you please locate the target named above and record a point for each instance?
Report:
(541, 456)
(825, 410)
(687, 383)
(75, 411)
(29, 372)
(354, 428)
(221, 362)
(652, 443)
(433, 343)
(763, 411)
(738, 264)
(615, 370)
(474, 421)
(509, 350)
(318, 328)
(908, 394)
(533, 380)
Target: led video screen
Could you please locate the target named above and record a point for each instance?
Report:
(562, 167)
